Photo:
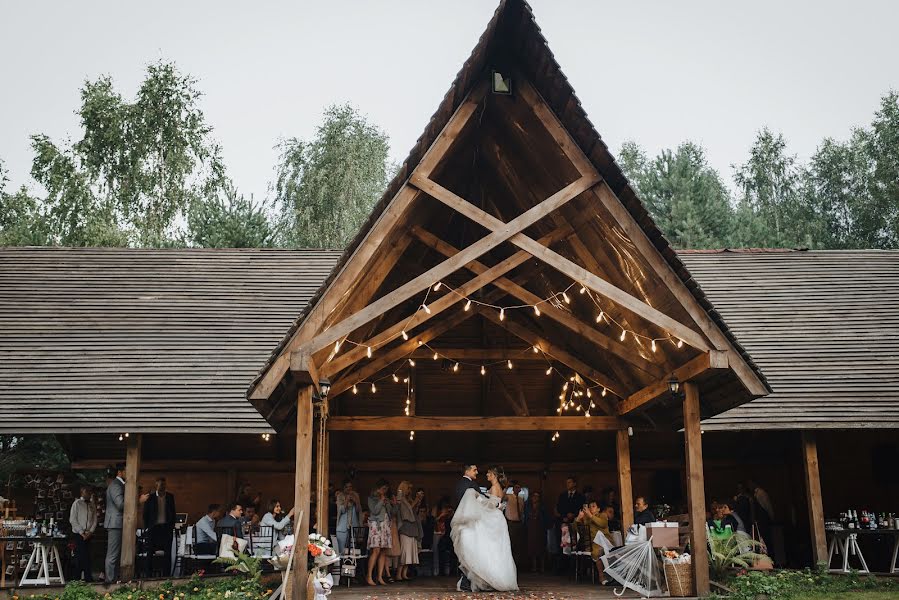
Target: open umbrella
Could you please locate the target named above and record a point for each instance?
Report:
(635, 567)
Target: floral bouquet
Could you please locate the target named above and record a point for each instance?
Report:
(283, 550)
(321, 554)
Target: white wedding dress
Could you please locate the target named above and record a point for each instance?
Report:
(481, 539)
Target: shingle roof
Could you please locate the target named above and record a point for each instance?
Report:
(513, 37)
(96, 339)
(823, 327)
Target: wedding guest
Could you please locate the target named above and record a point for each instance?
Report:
(536, 525)
(206, 537)
(83, 519)
(610, 498)
(250, 516)
(643, 515)
(159, 519)
(514, 518)
(730, 518)
(276, 519)
(409, 531)
(231, 520)
(112, 521)
(570, 501)
(348, 516)
(427, 522)
(394, 552)
(597, 520)
(379, 540)
(443, 514)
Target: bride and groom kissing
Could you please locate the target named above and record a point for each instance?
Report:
(480, 534)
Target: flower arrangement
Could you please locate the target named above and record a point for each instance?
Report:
(675, 558)
(321, 554)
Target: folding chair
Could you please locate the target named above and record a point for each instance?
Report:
(583, 549)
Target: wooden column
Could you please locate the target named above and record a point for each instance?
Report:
(625, 487)
(813, 496)
(129, 518)
(696, 489)
(302, 492)
(322, 470)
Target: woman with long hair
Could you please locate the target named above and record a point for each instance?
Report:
(378, 533)
(409, 529)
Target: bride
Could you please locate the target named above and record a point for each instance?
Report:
(481, 538)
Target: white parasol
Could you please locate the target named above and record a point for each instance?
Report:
(635, 566)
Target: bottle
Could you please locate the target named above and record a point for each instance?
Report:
(851, 521)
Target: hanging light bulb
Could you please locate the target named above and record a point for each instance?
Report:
(406, 411)
(536, 350)
(411, 436)
(502, 314)
(583, 290)
(126, 434)
(395, 378)
(565, 387)
(467, 305)
(587, 413)
(355, 389)
(436, 356)
(559, 410)
(405, 380)
(604, 390)
(121, 437)
(411, 363)
(405, 335)
(536, 310)
(368, 351)
(427, 310)
(592, 404)
(566, 298)
(509, 362)
(483, 370)
(599, 317)
(623, 335)
(420, 343)
(337, 346)
(588, 392)
(436, 286)
(680, 343)
(549, 371)
(653, 345)
(374, 390)
(455, 367)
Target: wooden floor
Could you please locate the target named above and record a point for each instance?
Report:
(533, 587)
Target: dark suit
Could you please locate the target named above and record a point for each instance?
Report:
(570, 504)
(463, 485)
(160, 534)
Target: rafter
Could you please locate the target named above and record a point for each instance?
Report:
(562, 264)
(565, 318)
(357, 353)
(713, 359)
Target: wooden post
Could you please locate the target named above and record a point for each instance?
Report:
(813, 496)
(625, 487)
(302, 491)
(129, 518)
(696, 489)
(322, 470)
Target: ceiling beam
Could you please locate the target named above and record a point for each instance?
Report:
(713, 359)
(475, 424)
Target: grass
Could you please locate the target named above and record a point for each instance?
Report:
(859, 595)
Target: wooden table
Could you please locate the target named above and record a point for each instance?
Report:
(845, 542)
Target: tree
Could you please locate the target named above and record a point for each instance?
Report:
(138, 167)
(684, 194)
(230, 221)
(327, 186)
(21, 220)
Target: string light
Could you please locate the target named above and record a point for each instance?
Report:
(374, 390)
(509, 362)
(436, 356)
(405, 335)
(623, 334)
(502, 314)
(566, 298)
(536, 350)
(680, 343)
(599, 316)
(653, 345)
(455, 367)
(411, 363)
(549, 371)
(266, 437)
(427, 310)
(437, 286)
(355, 389)
(536, 310)
(555, 436)
(412, 436)
(583, 290)
(467, 306)
(483, 370)
(368, 351)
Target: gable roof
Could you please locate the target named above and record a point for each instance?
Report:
(513, 37)
(822, 324)
(118, 339)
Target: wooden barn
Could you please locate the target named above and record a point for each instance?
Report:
(509, 301)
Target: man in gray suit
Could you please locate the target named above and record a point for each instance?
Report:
(112, 522)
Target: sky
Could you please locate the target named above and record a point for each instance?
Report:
(657, 72)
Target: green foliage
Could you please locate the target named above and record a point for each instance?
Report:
(29, 452)
(739, 550)
(251, 566)
(21, 220)
(788, 585)
(229, 220)
(198, 588)
(327, 186)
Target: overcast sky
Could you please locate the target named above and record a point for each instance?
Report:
(657, 72)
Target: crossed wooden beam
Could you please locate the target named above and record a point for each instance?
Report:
(319, 332)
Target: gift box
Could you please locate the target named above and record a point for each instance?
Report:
(664, 535)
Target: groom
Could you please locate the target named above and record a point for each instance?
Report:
(466, 482)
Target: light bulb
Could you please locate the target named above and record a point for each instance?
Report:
(427, 310)
(536, 350)
(502, 314)
(536, 310)
(588, 392)
(420, 343)
(467, 305)
(549, 371)
(395, 378)
(566, 298)
(483, 370)
(411, 363)
(407, 411)
(405, 380)
(592, 405)
(559, 410)
(599, 317)
(455, 367)
(604, 390)
(587, 413)
(126, 434)
(405, 335)
(653, 345)
(623, 335)
(583, 290)
(121, 437)
(373, 389)
(436, 356)
(509, 362)
(680, 343)
(368, 351)
(408, 400)
(436, 286)
(355, 389)
(336, 345)
(565, 387)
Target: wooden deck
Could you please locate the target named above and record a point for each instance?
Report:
(533, 587)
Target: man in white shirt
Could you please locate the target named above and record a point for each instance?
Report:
(206, 538)
(83, 519)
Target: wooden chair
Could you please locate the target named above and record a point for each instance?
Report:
(583, 552)
(261, 541)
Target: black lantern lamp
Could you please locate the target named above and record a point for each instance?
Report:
(325, 386)
(675, 388)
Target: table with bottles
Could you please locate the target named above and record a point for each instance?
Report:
(40, 543)
(844, 535)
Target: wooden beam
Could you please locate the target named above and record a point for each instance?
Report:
(625, 486)
(567, 319)
(520, 408)
(129, 517)
(352, 355)
(302, 489)
(713, 359)
(552, 350)
(357, 264)
(696, 489)
(474, 423)
(564, 265)
(813, 496)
